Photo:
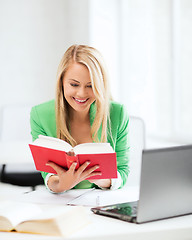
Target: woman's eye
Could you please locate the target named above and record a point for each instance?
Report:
(89, 86)
(74, 85)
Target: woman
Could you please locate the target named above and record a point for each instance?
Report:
(82, 112)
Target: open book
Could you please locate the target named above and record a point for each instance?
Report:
(46, 149)
(30, 218)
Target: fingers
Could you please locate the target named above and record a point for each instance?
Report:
(90, 172)
(82, 173)
(56, 167)
(72, 167)
(71, 153)
(94, 174)
(92, 169)
(83, 167)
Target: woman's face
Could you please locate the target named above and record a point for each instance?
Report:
(77, 86)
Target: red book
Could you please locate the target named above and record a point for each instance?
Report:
(46, 149)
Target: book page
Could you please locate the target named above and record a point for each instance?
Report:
(93, 148)
(51, 142)
(17, 212)
(84, 148)
(56, 221)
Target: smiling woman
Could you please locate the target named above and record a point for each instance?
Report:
(85, 65)
(83, 113)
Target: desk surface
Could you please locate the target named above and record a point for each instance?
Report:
(179, 228)
(102, 228)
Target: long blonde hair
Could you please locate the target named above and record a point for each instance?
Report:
(92, 59)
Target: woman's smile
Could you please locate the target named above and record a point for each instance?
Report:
(80, 101)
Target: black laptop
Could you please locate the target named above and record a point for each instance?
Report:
(165, 187)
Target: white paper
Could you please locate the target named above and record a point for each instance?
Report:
(43, 196)
(100, 197)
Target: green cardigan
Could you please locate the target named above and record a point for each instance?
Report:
(43, 122)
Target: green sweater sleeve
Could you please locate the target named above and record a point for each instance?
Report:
(120, 139)
(123, 146)
(42, 121)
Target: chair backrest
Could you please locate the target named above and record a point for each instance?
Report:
(137, 144)
(15, 123)
(17, 165)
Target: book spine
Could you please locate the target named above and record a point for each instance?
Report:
(72, 159)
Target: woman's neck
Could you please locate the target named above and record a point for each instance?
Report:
(80, 127)
(81, 117)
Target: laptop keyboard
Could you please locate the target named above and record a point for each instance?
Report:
(128, 210)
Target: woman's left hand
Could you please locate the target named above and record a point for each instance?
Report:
(103, 183)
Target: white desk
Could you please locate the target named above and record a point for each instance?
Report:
(102, 228)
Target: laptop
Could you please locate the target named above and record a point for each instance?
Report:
(165, 187)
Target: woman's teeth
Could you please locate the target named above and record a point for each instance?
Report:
(80, 101)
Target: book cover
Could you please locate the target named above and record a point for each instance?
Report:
(46, 149)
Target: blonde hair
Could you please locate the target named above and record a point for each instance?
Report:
(92, 59)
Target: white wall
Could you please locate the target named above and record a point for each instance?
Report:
(104, 35)
(34, 34)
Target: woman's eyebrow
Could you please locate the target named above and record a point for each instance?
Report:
(74, 80)
(71, 79)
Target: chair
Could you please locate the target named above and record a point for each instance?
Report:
(15, 157)
(137, 144)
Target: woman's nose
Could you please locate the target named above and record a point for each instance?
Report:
(82, 92)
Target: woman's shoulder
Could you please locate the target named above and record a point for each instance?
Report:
(46, 105)
(43, 120)
(116, 107)
(118, 112)
(45, 108)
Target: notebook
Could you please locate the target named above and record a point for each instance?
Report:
(165, 187)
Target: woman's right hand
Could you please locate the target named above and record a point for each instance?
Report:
(67, 179)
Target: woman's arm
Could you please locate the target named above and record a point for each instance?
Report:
(119, 140)
(102, 183)
(122, 145)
